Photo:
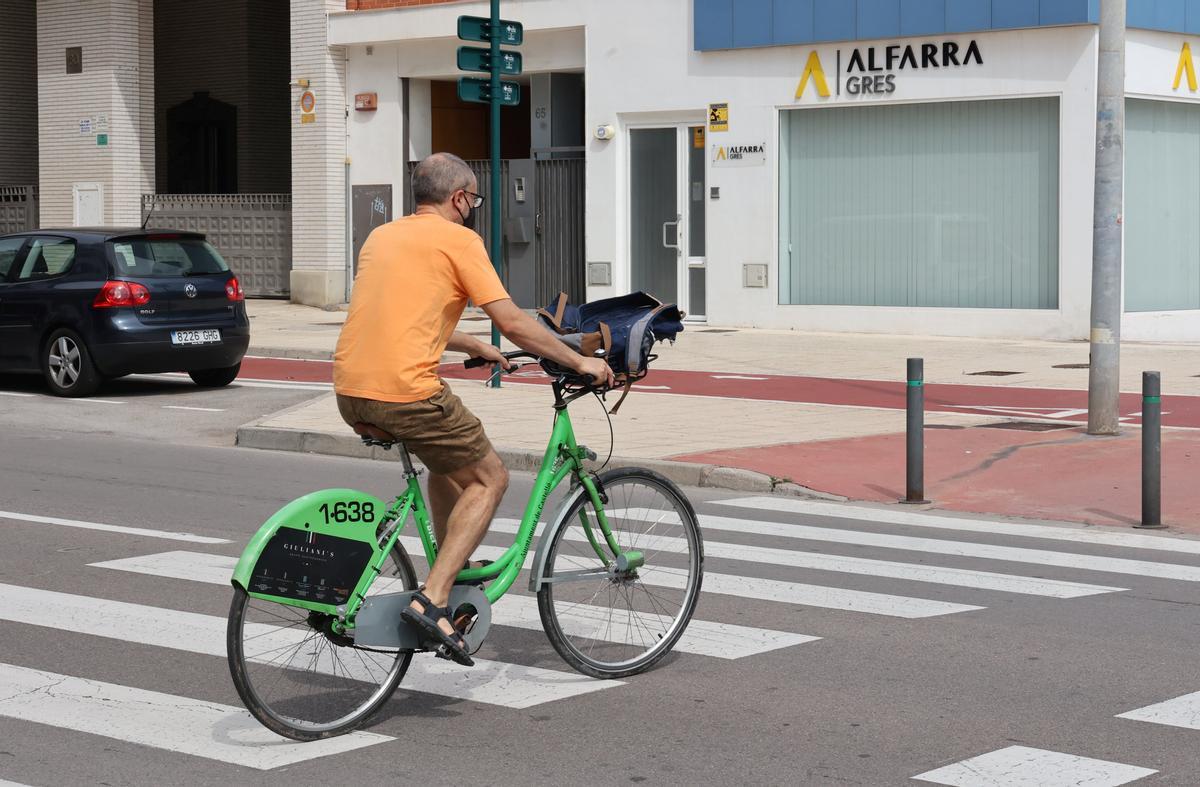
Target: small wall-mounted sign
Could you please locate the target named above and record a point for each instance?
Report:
(102, 140)
(718, 117)
(85, 127)
(74, 60)
(308, 106)
(739, 155)
(366, 102)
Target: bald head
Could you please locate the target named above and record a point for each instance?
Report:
(439, 176)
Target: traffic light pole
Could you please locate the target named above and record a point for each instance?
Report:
(495, 250)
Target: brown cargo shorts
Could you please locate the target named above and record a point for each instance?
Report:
(440, 430)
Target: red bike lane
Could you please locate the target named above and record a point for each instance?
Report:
(1001, 401)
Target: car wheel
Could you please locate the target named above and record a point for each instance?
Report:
(67, 365)
(215, 378)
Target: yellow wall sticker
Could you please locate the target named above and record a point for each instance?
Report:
(1186, 63)
(813, 69)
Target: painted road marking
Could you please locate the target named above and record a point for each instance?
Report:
(131, 531)
(774, 590)
(6, 783)
(162, 721)
(197, 409)
(916, 572)
(246, 382)
(1022, 766)
(719, 640)
(14, 393)
(1082, 535)
(491, 682)
(1180, 712)
(737, 377)
(88, 400)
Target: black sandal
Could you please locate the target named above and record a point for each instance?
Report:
(475, 582)
(453, 646)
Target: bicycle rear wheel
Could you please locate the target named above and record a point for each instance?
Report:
(611, 618)
(300, 678)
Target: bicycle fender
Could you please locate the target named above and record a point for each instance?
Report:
(543, 548)
(313, 552)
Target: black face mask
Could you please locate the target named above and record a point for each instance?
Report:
(469, 219)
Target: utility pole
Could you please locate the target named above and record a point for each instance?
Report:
(1104, 386)
(494, 62)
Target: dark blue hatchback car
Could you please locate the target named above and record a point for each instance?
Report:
(83, 305)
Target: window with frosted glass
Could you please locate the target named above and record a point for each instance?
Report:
(952, 204)
(1162, 206)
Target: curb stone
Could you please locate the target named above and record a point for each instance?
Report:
(273, 438)
(285, 352)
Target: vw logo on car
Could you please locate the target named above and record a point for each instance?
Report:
(190, 290)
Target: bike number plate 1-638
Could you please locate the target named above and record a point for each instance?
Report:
(314, 551)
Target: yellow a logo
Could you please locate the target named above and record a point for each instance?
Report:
(1186, 63)
(721, 153)
(813, 69)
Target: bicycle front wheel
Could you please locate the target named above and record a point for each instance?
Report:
(613, 615)
(302, 679)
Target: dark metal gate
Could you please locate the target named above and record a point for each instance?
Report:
(558, 226)
(18, 208)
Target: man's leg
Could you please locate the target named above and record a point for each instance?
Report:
(483, 485)
(443, 496)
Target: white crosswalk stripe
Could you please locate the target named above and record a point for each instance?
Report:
(721, 640)
(492, 682)
(1022, 766)
(1179, 712)
(1041, 557)
(163, 721)
(1081, 534)
(724, 584)
(917, 572)
(13, 516)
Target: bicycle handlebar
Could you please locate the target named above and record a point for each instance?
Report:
(475, 363)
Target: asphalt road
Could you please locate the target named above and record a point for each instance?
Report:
(925, 656)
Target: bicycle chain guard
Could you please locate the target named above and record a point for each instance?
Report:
(379, 625)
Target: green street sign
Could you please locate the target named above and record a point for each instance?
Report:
(472, 58)
(480, 90)
(479, 28)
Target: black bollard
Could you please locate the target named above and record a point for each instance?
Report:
(915, 434)
(1151, 451)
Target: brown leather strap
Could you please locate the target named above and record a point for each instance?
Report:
(560, 309)
(628, 388)
(605, 338)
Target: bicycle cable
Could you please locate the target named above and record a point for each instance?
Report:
(612, 439)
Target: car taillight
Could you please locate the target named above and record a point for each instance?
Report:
(115, 294)
(233, 290)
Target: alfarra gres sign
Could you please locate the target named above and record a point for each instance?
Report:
(874, 70)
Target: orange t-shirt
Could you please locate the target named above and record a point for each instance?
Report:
(415, 275)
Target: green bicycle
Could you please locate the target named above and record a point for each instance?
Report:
(316, 643)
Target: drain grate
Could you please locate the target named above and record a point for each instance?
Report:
(944, 426)
(991, 373)
(1075, 366)
(1027, 426)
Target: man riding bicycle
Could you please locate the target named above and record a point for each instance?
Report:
(415, 276)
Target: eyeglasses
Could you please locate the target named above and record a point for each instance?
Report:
(476, 199)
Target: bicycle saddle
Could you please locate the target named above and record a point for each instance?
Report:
(370, 433)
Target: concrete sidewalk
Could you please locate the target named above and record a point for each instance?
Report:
(805, 448)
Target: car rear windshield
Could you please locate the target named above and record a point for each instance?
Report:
(167, 257)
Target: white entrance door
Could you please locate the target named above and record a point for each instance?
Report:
(666, 214)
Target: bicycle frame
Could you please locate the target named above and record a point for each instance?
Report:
(563, 458)
(345, 524)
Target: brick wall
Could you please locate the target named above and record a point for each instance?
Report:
(118, 82)
(18, 93)
(366, 5)
(318, 148)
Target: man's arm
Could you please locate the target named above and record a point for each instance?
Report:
(463, 343)
(525, 332)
